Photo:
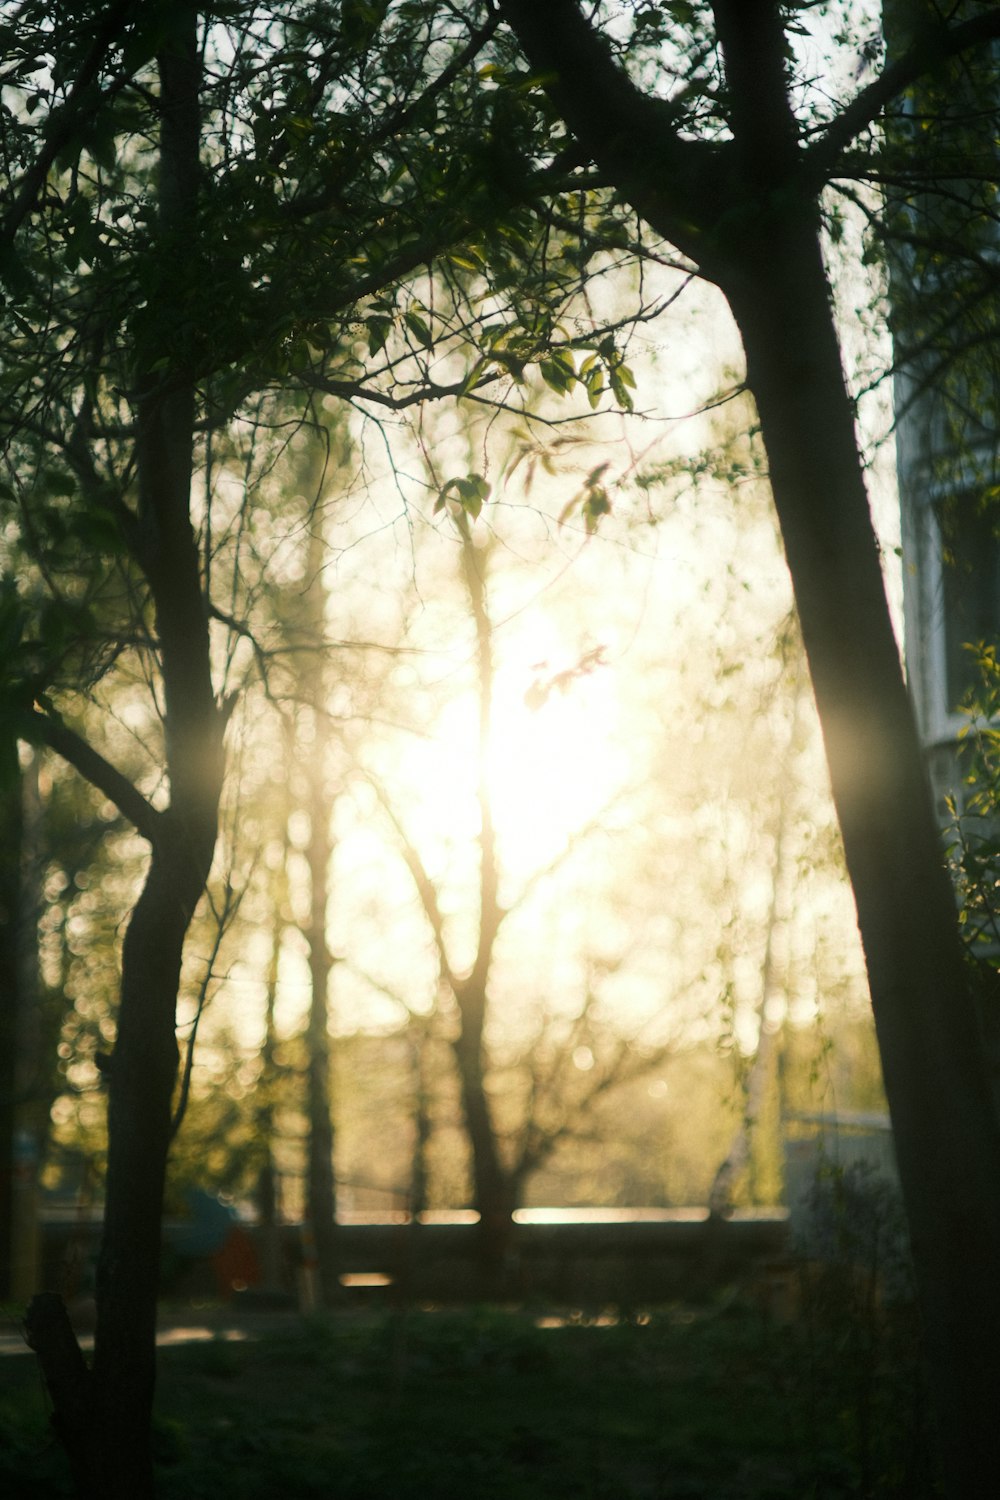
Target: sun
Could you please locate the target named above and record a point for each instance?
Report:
(552, 760)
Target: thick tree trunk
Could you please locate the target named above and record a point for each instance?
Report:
(946, 1132)
(746, 211)
(141, 1084)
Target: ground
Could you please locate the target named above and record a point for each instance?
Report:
(723, 1400)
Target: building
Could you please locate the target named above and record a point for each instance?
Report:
(944, 263)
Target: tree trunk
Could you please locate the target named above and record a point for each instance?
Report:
(267, 1193)
(26, 1046)
(493, 1185)
(321, 1193)
(762, 1070)
(419, 1032)
(745, 209)
(105, 1414)
(321, 1198)
(10, 1001)
(142, 1077)
(946, 1133)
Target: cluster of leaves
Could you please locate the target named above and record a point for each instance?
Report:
(382, 216)
(974, 844)
(938, 225)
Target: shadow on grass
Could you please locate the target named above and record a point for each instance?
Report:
(719, 1401)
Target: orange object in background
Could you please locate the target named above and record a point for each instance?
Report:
(235, 1264)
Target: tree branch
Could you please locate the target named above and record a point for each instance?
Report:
(92, 766)
(673, 182)
(932, 47)
(426, 889)
(63, 120)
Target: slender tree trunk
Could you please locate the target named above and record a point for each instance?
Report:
(321, 1199)
(420, 1040)
(321, 1194)
(268, 1206)
(26, 1091)
(494, 1186)
(10, 1002)
(489, 1176)
(143, 1073)
(105, 1414)
(762, 1069)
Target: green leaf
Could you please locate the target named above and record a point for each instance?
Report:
(596, 505)
(11, 618)
(464, 262)
(379, 328)
(559, 371)
(55, 482)
(471, 492)
(418, 328)
(619, 385)
(472, 377)
(13, 272)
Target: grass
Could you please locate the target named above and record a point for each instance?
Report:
(676, 1404)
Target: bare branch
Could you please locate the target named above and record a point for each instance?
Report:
(426, 889)
(230, 906)
(50, 730)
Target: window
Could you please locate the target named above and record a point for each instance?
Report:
(970, 590)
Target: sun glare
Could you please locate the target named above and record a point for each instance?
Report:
(552, 764)
(552, 761)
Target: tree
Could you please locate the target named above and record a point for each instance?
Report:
(762, 1068)
(732, 176)
(313, 757)
(201, 208)
(547, 1096)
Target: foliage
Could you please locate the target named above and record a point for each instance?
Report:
(938, 225)
(975, 843)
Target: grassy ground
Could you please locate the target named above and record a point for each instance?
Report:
(719, 1401)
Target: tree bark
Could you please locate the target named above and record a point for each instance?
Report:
(11, 1001)
(321, 1192)
(746, 210)
(111, 1450)
(493, 1183)
(141, 1084)
(267, 1190)
(946, 1131)
(321, 1196)
(945, 1128)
